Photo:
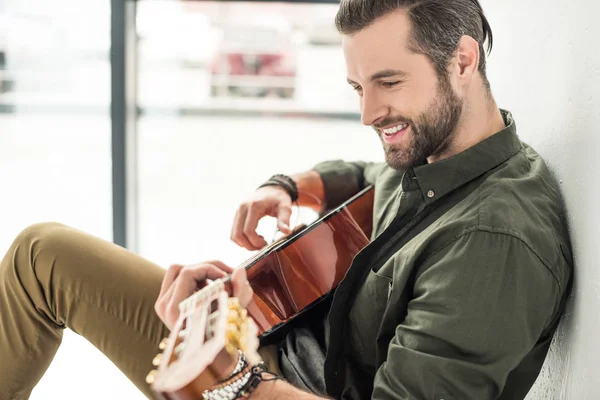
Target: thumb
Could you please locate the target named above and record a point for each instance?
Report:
(284, 213)
(241, 287)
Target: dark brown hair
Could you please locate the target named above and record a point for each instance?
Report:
(437, 26)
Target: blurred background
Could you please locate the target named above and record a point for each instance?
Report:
(146, 123)
(224, 94)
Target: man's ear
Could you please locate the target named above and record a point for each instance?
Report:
(466, 59)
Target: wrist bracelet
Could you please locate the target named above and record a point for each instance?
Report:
(241, 364)
(256, 377)
(234, 381)
(228, 390)
(284, 182)
(242, 385)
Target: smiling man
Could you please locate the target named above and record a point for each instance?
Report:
(425, 99)
(457, 296)
(460, 290)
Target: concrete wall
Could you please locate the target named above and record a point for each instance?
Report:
(545, 68)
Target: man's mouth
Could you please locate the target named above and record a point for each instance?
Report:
(392, 133)
(394, 129)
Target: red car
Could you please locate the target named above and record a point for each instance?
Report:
(256, 60)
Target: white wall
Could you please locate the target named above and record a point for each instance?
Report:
(545, 68)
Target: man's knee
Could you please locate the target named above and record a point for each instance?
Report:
(47, 238)
(39, 234)
(28, 265)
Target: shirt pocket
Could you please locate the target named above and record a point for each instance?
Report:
(366, 315)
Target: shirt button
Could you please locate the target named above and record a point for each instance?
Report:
(431, 194)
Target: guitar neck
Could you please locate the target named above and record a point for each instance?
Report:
(225, 283)
(360, 207)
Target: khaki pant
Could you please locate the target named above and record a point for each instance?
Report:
(55, 277)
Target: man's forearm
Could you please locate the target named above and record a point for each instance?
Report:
(311, 192)
(279, 389)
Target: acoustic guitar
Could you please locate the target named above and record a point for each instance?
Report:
(289, 278)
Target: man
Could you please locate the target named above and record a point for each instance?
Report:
(456, 297)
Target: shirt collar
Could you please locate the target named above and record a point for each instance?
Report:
(440, 178)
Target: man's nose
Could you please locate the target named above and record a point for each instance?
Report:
(372, 109)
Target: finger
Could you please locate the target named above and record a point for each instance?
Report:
(284, 212)
(169, 278)
(201, 272)
(186, 284)
(221, 265)
(241, 287)
(254, 215)
(237, 234)
(182, 289)
(160, 306)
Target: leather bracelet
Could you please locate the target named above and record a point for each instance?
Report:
(240, 386)
(256, 377)
(284, 182)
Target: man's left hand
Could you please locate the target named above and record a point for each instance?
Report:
(181, 282)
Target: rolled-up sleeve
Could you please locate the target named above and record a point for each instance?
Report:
(479, 306)
(343, 179)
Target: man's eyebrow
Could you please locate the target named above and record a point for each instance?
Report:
(386, 73)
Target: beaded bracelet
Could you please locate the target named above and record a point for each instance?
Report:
(227, 389)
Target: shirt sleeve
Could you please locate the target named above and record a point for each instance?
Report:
(342, 179)
(479, 306)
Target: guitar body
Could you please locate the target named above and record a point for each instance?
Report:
(308, 265)
(288, 278)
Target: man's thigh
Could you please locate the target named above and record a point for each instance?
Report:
(70, 279)
(271, 359)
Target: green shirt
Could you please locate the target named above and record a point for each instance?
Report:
(467, 308)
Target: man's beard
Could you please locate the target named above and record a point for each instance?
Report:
(431, 132)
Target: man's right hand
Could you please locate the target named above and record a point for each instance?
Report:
(270, 201)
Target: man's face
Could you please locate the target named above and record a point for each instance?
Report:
(414, 112)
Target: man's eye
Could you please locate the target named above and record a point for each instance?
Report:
(390, 84)
(357, 88)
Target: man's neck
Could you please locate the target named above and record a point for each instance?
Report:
(480, 119)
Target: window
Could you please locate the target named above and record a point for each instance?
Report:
(231, 93)
(55, 146)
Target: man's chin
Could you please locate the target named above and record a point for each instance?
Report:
(396, 162)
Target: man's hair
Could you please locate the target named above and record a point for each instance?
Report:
(437, 26)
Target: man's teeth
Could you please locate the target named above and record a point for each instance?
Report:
(391, 131)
